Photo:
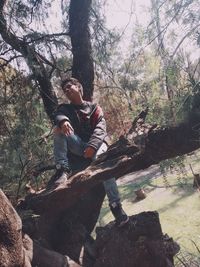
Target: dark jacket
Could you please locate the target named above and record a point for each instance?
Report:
(87, 121)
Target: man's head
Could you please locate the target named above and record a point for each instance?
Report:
(73, 90)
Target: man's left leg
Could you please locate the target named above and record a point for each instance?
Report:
(62, 145)
(113, 195)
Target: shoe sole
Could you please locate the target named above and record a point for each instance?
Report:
(123, 223)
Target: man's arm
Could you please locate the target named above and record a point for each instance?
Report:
(60, 115)
(99, 126)
(62, 121)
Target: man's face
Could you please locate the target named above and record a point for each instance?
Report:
(72, 92)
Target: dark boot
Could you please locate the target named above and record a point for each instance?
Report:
(121, 217)
(62, 174)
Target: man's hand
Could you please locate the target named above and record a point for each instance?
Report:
(89, 152)
(66, 128)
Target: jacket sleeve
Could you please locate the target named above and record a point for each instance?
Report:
(60, 115)
(99, 126)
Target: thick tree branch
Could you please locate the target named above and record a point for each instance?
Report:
(122, 157)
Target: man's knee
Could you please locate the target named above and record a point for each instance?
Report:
(57, 134)
(76, 145)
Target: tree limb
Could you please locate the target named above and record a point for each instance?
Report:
(34, 63)
(121, 158)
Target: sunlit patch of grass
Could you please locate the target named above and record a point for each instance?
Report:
(176, 201)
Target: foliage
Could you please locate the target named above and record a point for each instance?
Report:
(116, 112)
(24, 130)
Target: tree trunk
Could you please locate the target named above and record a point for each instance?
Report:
(140, 244)
(17, 249)
(165, 60)
(82, 67)
(143, 243)
(11, 245)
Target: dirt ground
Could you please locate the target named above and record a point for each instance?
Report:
(140, 176)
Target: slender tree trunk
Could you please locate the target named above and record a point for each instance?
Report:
(82, 68)
(166, 84)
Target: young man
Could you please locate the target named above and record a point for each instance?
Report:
(81, 129)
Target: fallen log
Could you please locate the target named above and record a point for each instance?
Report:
(121, 158)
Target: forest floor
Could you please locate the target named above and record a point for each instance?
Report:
(172, 195)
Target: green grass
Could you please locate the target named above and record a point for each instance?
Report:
(177, 202)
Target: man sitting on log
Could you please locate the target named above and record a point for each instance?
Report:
(81, 130)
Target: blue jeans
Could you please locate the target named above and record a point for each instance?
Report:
(74, 144)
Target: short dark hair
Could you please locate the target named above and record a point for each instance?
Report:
(72, 81)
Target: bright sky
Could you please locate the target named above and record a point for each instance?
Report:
(124, 14)
(119, 13)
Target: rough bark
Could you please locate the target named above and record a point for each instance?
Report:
(121, 158)
(36, 255)
(141, 243)
(18, 249)
(66, 232)
(82, 67)
(11, 245)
